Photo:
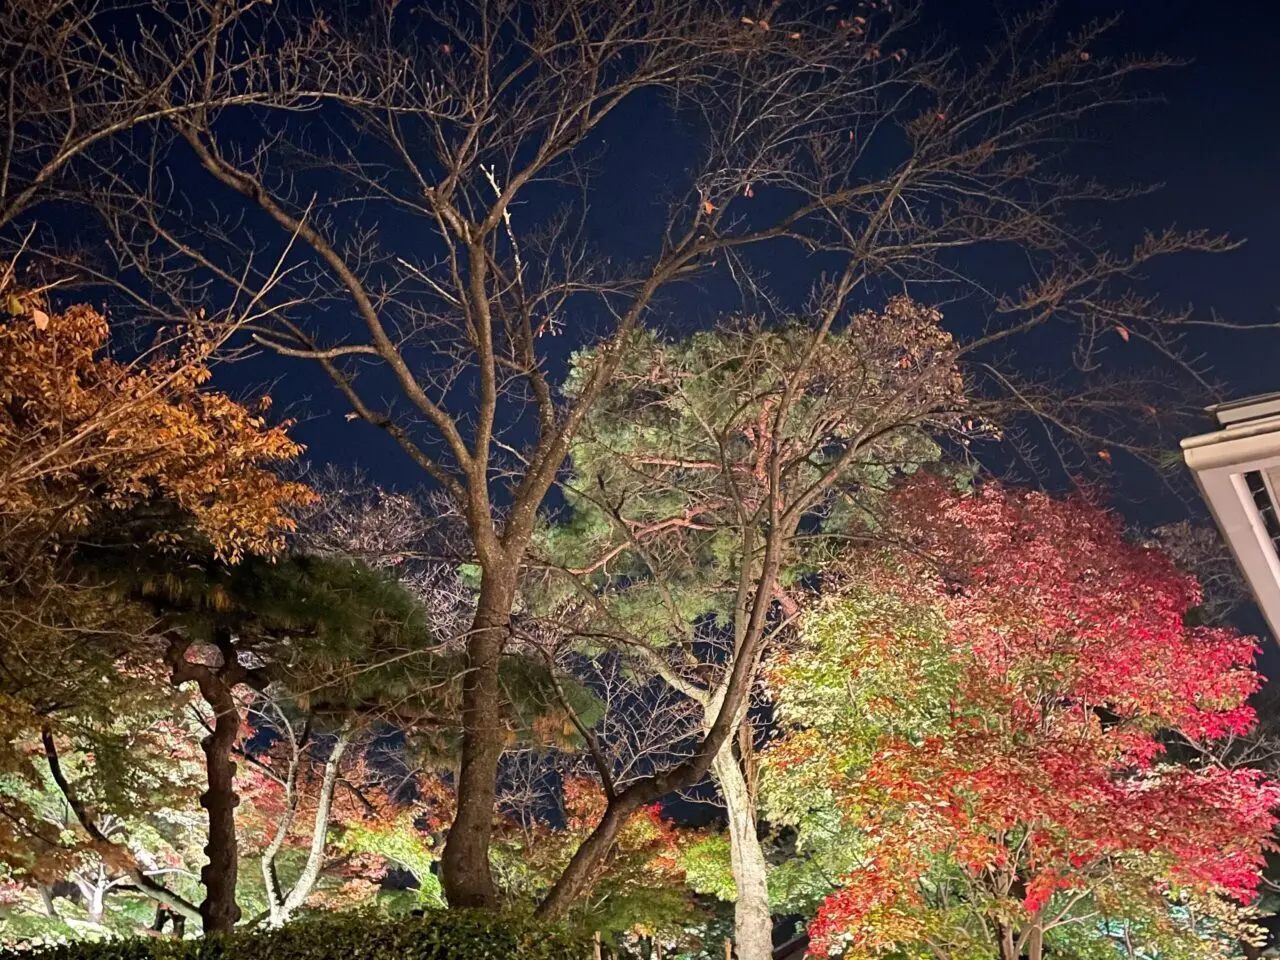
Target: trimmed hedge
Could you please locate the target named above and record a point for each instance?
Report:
(439, 935)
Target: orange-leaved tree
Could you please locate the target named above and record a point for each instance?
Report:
(87, 436)
(82, 431)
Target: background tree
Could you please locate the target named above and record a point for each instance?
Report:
(111, 837)
(885, 154)
(991, 725)
(711, 477)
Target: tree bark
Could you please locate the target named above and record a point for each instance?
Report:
(282, 906)
(464, 864)
(219, 911)
(1008, 949)
(752, 920)
(1034, 949)
(46, 898)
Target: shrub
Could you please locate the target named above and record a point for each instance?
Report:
(439, 935)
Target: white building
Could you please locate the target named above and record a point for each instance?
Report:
(1237, 468)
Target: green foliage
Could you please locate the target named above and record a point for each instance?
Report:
(707, 868)
(440, 935)
(402, 843)
(837, 683)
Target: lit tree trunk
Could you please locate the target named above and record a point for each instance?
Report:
(46, 898)
(465, 872)
(94, 894)
(1008, 949)
(219, 912)
(1034, 948)
(752, 921)
(281, 906)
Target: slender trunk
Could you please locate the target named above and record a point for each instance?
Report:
(46, 898)
(96, 903)
(464, 864)
(727, 713)
(1008, 950)
(219, 911)
(1034, 949)
(283, 908)
(92, 893)
(270, 875)
(752, 920)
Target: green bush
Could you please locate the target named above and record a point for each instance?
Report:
(439, 935)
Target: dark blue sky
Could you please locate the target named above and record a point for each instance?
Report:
(1215, 144)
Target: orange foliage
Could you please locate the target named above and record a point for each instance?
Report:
(80, 431)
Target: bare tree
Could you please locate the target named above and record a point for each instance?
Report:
(418, 538)
(414, 157)
(1198, 548)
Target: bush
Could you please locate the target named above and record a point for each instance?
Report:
(439, 935)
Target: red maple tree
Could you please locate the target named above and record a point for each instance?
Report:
(1034, 793)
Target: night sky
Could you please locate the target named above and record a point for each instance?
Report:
(1215, 144)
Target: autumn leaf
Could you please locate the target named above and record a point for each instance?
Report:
(708, 207)
(1104, 456)
(142, 430)
(1124, 333)
(980, 752)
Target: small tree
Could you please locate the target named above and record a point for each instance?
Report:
(991, 725)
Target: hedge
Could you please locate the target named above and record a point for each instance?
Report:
(439, 935)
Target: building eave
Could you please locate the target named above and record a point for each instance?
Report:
(1222, 462)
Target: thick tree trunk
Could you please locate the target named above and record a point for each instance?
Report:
(464, 865)
(752, 921)
(219, 911)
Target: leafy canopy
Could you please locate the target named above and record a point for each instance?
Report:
(991, 721)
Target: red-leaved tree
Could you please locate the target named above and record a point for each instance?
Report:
(998, 720)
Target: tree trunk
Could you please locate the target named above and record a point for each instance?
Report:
(46, 898)
(464, 865)
(283, 907)
(219, 911)
(1008, 949)
(752, 920)
(1034, 949)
